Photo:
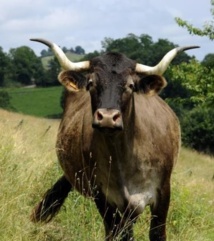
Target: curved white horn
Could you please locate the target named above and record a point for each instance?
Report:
(161, 67)
(65, 63)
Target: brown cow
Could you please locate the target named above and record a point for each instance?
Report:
(117, 142)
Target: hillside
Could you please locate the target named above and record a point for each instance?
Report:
(72, 56)
(28, 166)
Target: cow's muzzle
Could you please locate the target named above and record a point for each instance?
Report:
(108, 119)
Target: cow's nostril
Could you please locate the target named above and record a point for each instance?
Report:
(116, 116)
(99, 116)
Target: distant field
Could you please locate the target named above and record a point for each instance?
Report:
(42, 102)
(72, 56)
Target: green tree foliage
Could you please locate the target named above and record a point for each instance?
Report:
(207, 30)
(140, 48)
(193, 103)
(137, 48)
(198, 129)
(208, 61)
(64, 49)
(45, 53)
(198, 82)
(130, 46)
(4, 67)
(79, 50)
(91, 55)
(52, 73)
(26, 66)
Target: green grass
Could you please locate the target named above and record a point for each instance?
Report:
(42, 102)
(28, 167)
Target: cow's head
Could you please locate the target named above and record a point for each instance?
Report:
(111, 80)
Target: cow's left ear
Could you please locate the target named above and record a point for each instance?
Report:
(72, 81)
(151, 84)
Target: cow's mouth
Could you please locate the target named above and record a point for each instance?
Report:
(108, 130)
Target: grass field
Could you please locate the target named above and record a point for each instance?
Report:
(42, 102)
(28, 166)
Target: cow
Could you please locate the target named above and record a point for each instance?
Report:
(117, 141)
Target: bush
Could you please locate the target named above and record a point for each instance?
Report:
(5, 101)
(198, 129)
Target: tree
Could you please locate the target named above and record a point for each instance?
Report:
(130, 46)
(197, 80)
(52, 73)
(142, 48)
(191, 95)
(79, 50)
(208, 61)
(71, 50)
(91, 55)
(198, 129)
(27, 67)
(207, 30)
(45, 53)
(64, 49)
(4, 67)
(197, 124)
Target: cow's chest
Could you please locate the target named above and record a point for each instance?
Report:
(127, 181)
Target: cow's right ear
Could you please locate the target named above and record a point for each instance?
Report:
(72, 81)
(151, 84)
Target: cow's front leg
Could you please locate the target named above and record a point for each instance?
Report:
(116, 227)
(159, 214)
(52, 201)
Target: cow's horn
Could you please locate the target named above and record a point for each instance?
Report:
(161, 67)
(65, 63)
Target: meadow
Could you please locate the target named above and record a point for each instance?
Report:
(28, 167)
(42, 102)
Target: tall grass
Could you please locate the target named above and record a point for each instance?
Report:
(28, 167)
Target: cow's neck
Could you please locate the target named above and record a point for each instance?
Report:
(113, 157)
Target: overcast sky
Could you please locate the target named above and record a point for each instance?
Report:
(87, 22)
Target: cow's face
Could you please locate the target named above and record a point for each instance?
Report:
(111, 84)
(110, 93)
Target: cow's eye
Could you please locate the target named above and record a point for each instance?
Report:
(131, 86)
(90, 84)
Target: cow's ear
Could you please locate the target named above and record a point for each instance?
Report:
(72, 81)
(151, 84)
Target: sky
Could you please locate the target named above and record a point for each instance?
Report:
(86, 23)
